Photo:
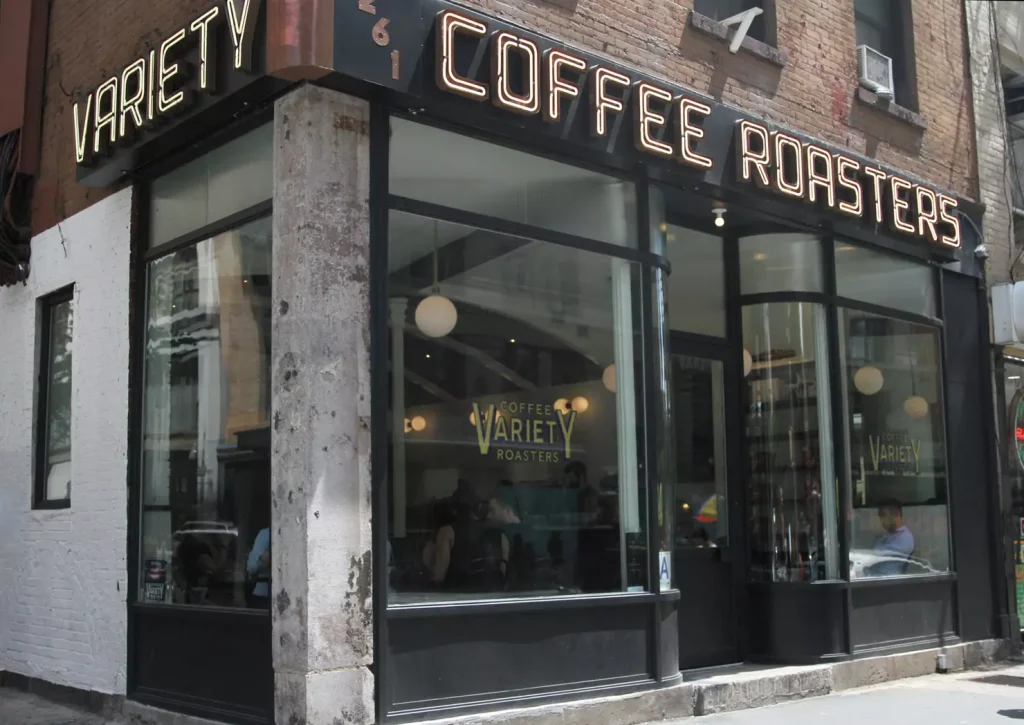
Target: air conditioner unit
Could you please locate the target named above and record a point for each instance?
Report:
(875, 71)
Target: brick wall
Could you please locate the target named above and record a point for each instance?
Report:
(88, 42)
(815, 92)
(63, 575)
(994, 165)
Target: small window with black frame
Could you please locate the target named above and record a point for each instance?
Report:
(763, 26)
(54, 407)
(887, 27)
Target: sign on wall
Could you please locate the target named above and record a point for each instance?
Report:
(217, 53)
(577, 95)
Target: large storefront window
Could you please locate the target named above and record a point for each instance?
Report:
(205, 490)
(894, 417)
(516, 389)
(899, 518)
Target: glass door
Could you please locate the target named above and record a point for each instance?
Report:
(703, 388)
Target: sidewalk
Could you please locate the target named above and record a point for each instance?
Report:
(990, 694)
(21, 708)
(994, 696)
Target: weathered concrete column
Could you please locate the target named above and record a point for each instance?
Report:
(322, 613)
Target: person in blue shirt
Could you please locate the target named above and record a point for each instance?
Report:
(258, 568)
(897, 543)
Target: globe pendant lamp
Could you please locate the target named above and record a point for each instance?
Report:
(915, 406)
(436, 315)
(608, 378)
(868, 380)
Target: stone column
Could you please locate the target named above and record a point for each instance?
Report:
(321, 546)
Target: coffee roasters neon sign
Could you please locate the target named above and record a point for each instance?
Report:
(161, 83)
(670, 125)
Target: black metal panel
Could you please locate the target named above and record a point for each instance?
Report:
(796, 622)
(901, 613)
(441, 662)
(668, 647)
(972, 484)
(212, 663)
(707, 612)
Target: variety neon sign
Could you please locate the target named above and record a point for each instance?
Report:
(671, 125)
(162, 82)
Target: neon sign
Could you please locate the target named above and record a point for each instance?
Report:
(163, 83)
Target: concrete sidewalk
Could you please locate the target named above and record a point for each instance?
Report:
(992, 697)
(21, 708)
(900, 687)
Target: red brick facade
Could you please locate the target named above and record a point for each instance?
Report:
(814, 92)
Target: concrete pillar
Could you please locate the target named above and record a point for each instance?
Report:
(322, 582)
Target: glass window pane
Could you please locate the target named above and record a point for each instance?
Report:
(515, 462)
(206, 435)
(789, 440)
(696, 287)
(1013, 463)
(457, 171)
(229, 179)
(882, 279)
(58, 401)
(701, 490)
(895, 438)
(780, 263)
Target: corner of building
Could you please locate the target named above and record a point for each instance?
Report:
(63, 615)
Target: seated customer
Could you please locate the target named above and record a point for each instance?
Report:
(470, 553)
(896, 545)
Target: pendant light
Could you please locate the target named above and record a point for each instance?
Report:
(436, 315)
(915, 406)
(608, 378)
(748, 362)
(868, 380)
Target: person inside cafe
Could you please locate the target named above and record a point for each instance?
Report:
(896, 544)
(470, 552)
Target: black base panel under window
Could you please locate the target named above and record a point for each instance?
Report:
(797, 623)
(212, 663)
(707, 613)
(902, 613)
(468, 660)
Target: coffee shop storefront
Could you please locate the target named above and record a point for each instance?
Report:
(657, 386)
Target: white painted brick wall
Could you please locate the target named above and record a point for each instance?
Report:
(63, 573)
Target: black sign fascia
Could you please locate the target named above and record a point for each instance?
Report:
(380, 42)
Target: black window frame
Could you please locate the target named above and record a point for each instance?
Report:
(45, 308)
(898, 37)
(763, 29)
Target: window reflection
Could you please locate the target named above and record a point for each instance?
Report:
(792, 526)
(701, 491)
(899, 518)
(514, 449)
(57, 444)
(206, 436)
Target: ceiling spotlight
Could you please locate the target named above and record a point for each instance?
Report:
(719, 212)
